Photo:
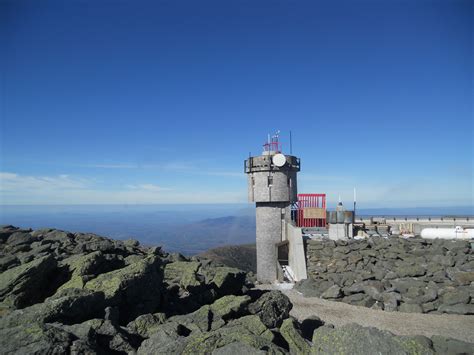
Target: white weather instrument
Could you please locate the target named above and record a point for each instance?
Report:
(279, 160)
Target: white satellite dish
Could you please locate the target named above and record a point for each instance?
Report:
(279, 160)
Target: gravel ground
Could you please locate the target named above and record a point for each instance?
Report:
(448, 325)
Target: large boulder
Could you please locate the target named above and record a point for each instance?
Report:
(29, 283)
(7, 230)
(103, 337)
(134, 289)
(272, 307)
(449, 346)
(146, 324)
(8, 261)
(355, 339)
(168, 338)
(248, 330)
(19, 238)
(182, 273)
(332, 292)
(35, 338)
(84, 267)
(216, 315)
(68, 307)
(291, 333)
(226, 280)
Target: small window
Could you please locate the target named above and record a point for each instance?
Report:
(253, 181)
(270, 180)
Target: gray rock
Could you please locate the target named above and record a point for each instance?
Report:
(449, 346)
(272, 307)
(357, 287)
(238, 348)
(455, 297)
(249, 330)
(27, 284)
(145, 324)
(410, 271)
(19, 238)
(332, 292)
(6, 231)
(8, 261)
(292, 334)
(354, 299)
(35, 338)
(410, 308)
(67, 306)
(444, 260)
(104, 337)
(165, 340)
(402, 285)
(131, 243)
(355, 339)
(464, 278)
(134, 289)
(459, 308)
(391, 300)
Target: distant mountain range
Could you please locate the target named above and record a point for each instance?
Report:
(188, 229)
(243, 256)
(194, 238)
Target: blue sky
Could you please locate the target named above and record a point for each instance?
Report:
(161, 101)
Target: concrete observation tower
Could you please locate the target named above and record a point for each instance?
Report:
(272, 186)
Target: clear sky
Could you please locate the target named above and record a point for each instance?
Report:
(161, 101)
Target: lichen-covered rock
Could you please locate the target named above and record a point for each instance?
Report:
(182, 273)
(85, 267)
(68, 307)
(35, 338)
(7, 262)
(354, 339)
(290, 332)
(249, 330)
(145, 324)
(239, 348)
(168, 338)
(226, 280)
(272, 307)
(27, 284)
(134, 289)
(18, 238)
(216, 315)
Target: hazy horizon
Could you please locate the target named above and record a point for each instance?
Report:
(188, 229)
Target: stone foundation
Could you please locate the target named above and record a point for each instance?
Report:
(394, 274)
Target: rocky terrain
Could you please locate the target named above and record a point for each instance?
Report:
(394, 274)
(84, 294)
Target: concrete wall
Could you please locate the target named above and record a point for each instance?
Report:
(296, 255)
(269, 234)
